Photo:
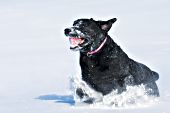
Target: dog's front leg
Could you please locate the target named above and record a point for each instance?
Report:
(83, 92)
(84, 96)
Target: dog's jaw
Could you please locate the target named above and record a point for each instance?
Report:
(75, 42)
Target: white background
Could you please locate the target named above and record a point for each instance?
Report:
(35, 59)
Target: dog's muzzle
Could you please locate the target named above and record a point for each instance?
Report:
(76, 38)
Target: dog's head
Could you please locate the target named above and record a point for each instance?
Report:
(87, 34)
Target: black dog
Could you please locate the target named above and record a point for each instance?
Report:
(104, 65)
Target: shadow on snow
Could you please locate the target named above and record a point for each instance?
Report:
(67, 99)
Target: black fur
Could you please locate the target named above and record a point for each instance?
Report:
(110, 68)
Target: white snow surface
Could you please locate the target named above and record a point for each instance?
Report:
(36, 63)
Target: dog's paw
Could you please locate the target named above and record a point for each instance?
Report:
(84, 97)
(81, 93)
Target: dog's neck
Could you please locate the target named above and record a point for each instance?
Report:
(98, 49)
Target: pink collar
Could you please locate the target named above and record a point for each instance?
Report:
(95, 51)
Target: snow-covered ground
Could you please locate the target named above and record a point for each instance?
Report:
(36, 63)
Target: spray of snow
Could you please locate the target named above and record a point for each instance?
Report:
(133, 97)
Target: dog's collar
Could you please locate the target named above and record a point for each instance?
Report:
(95, 51)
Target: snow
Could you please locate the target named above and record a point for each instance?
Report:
(36, 63)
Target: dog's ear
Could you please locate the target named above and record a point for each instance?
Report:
(91, 19)
(106, 25)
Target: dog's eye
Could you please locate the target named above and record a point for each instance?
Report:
(79, 25)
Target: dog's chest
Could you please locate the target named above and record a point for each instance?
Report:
(95, 64)
(99, 73)
(102, 67)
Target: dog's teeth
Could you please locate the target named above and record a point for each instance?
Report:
(73, 46)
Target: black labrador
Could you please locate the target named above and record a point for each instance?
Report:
(104, 65)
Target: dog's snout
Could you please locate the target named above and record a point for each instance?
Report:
(67, 31)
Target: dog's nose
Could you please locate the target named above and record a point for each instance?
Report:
(67, 31)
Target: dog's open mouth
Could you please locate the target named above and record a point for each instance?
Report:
(76, 42)
(77, 39)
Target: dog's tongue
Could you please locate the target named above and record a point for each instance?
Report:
(76, 41)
